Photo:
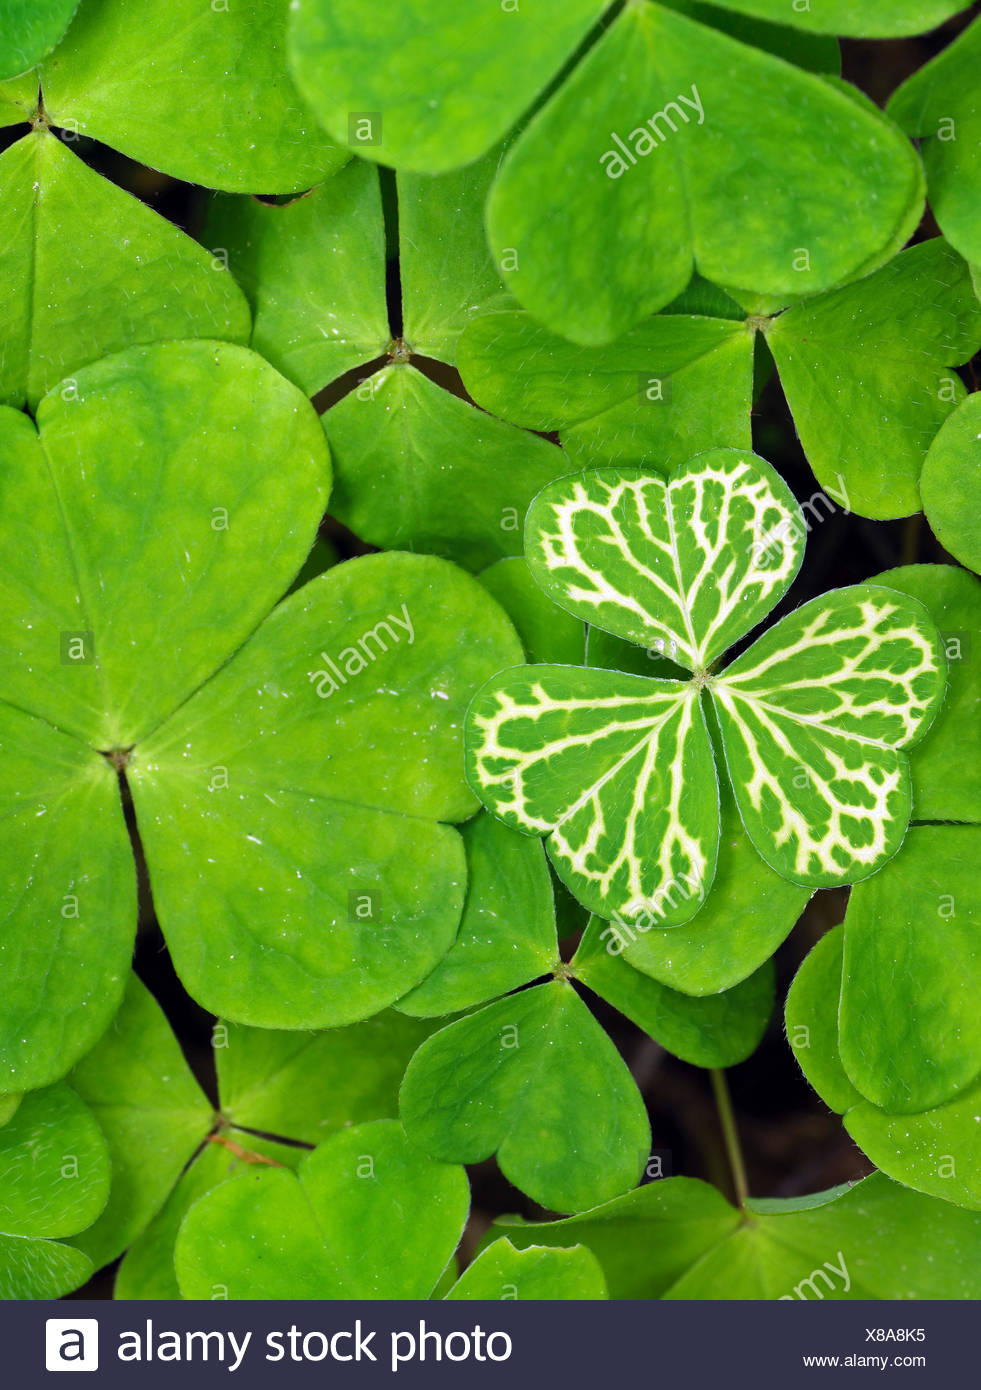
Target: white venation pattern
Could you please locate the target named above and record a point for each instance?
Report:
(624, 833)
(690, 565)
(822, 769)
(854, 662)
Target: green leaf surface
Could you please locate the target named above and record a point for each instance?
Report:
(718, 1030)
(54, 1180)
(336, 736)
(29, 29)
(673, 387)
(616, 770)
(305, 1087)
(446, 83)
(951, 484)
(940, 103)
(631, 141)
(862, 1242)
(314, 273)
(812, 1021)
(507, 931)
(910, 1033)
(367, 1216)
(946, 763)
(227, 460)
(937, 1151)
(644, 1240)
(635, 554)
(445, 266)
(868, 374)
(749, 912)
(535, 1079)
(67, 898)
(816, 52)
(547, 633)
(814, 718)
(199, 92)
(419, 468)
(147, 1268)
(113, 272)
(881, 19)
(502, 1272)
(152, 1112)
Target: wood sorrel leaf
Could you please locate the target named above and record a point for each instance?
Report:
(940, 104)
(645, 1240)
(814, 720)
(367, 1216)
(228, 459)
(507, 931)
(67, 897)
(202, 94)
(910, 1034)
(668, 389)
(114, 272)
(951, 483)
(814, 717)
(314, 273)
(893, 337)
(816, 52)
(483, 68)
(634, 143)
(638, 555)
(855, 18)
(29, 29)
(501, 1271)
(749, 912)
(946, 763)
(547, 633)
(147, 1268)
(535, 1079)
(616, 770)
(419, 468)
(718, 1030)
(936, 1151)
(152, 1112)
(54, 1180)
(316, 853)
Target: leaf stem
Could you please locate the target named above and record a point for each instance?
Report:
(727, 1119)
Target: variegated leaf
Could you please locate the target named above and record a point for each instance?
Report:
(684, 566)
(814, 718)
(616, 770)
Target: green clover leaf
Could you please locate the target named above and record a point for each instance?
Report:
(199, 92)
(940, 104)
(864, 18)
(936, 1150)
(241, 771)
(416, 466)
(575, 164)
(951, 483)
(169, 1145)
(114, 272)
(29, 29)
(366, 1216)
(682, 382)
(814, 717)
(532, 1076)
(679, 1239)
(54, 1180)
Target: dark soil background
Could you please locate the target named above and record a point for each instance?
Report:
(791, 1143)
